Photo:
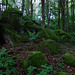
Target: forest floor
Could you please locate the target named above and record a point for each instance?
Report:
(55, 60)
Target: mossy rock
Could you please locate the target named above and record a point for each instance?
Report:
(15, 37)
(35, 59)
(72, 41)
(64, 37)
(12, 16)
(62, 73)
(48, 46)
(69, 59)
(48, 34)
(60, 32)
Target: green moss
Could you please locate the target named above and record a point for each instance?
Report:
(69, 59)
(72, 74)
(35, 59)
(60, 32)
(64, 37)
(25, 63)
(12, 16)
(30, 47)
(48, 46)
(15, 37)
(62, 73)
(48, 34)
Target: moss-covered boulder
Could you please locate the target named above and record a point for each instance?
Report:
(63, 36)
(62, 73)
(48, 34)
(48, 46)
(35, 59)
(11, 17)
(15, 37)
(69, 59)
(60, 32)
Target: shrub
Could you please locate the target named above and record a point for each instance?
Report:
(35, 59)
(48, 46)
(69, 59)
(6, 63)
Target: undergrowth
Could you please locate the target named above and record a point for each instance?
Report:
(6, 63)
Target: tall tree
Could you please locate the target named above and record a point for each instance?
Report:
(72, 14)
(47, 2)
(67, 14)
(28, 7)
(31, 9)
(62, 9)
(58, 14)
(0, 9)
(23, 4)
(6, 4)
(43, 13)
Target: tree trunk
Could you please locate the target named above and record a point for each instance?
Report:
(28, 7)
(31, 10)
(62, 9)
(72, 15)
(0, 9)
(43, 14)
(23, 2)
(58, 15)
(6, 4)
(67, 14)
(55, 15)
(47, 2)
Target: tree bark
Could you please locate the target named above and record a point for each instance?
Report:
(28, 7)
(72, 15)
(67, 14)
(58, 15)
(43, 14)
(6, 4)
(0, 9)
(62, 9)
(23, 2)
(47, 2)
(31, 10)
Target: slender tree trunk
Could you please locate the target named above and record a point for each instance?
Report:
(31, 10)
(67, 14)
(6, 4)
(43, 14)
(28, 7)
(71, 15)
(47, 2)
(58, 15)
(23, 2)
(0, 9)
(62, 9)
(55, 15)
